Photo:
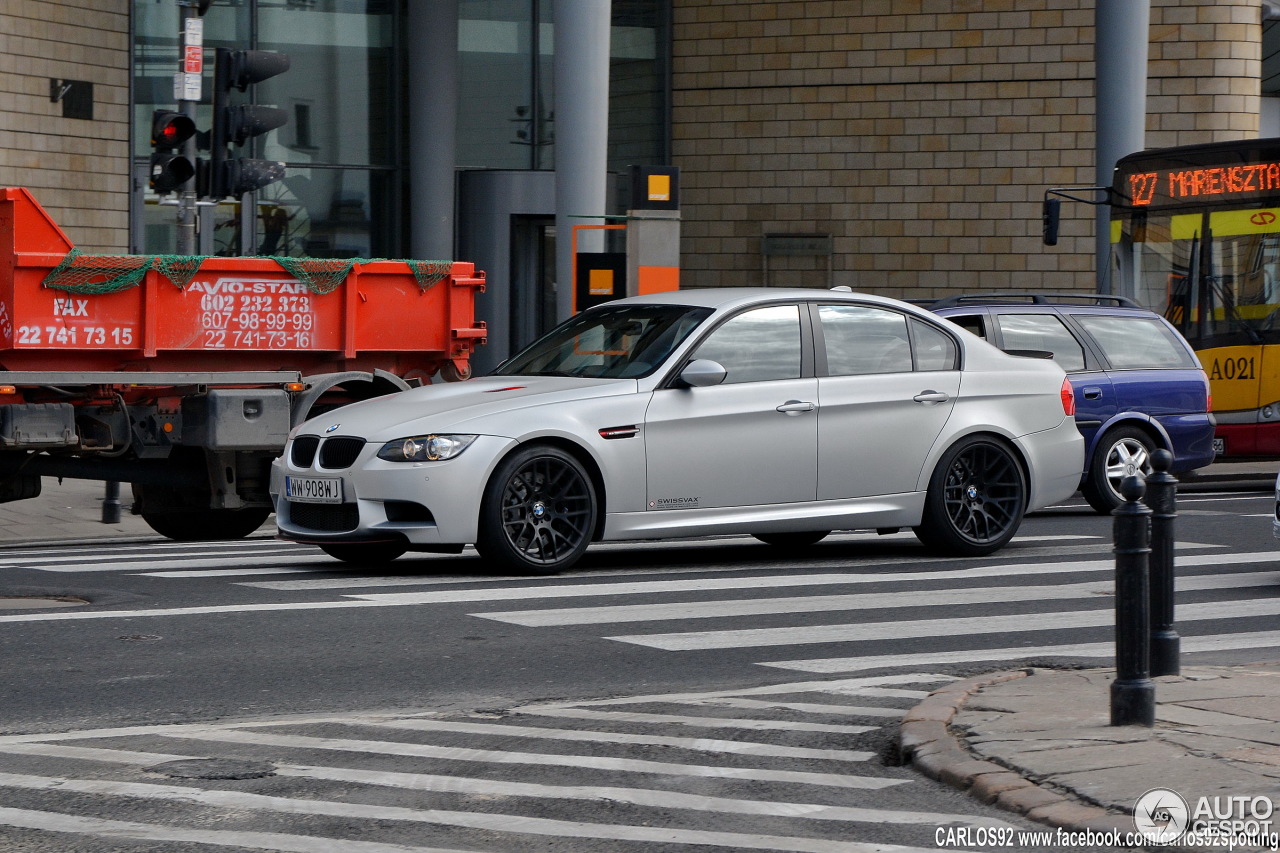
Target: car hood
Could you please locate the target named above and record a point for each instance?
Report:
(458, 406)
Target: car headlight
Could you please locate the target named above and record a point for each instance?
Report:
(425, 448)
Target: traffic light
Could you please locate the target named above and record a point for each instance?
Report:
(169, 169)
(236, 125)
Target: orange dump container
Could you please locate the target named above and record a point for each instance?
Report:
(60, 310)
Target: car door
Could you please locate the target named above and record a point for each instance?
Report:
(1046, 332)
(890, 384)
(748, 441)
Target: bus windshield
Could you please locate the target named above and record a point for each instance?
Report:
(1214, 274)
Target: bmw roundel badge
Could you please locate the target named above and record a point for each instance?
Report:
(333, 427)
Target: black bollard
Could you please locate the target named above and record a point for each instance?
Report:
(1162, 490)
(1133, 693)
(111, 503)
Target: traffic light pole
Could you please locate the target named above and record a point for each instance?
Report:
(191, 24)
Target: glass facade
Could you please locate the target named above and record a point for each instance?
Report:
(344, 144)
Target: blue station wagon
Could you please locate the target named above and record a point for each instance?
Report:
(1138, 384)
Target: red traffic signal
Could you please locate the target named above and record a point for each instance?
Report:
(170, 129)
(169, 170)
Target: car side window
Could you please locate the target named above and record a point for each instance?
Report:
(973, 322)
(1044, 332)
(1136, 342)
(861, 339)
(757, 345)
(934, 349)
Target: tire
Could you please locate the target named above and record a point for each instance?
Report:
(206, 525)
(1121, 452)
(538, 513)
(793, 540)
(365, 553)
(976, 499)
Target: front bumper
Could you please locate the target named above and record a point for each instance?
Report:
(422, 503)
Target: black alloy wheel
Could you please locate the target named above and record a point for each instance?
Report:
(539, 512)
(977, 497)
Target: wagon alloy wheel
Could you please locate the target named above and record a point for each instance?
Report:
(539, 512)
(977, 497)
(1122, 452)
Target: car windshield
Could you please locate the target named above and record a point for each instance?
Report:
(611, 341)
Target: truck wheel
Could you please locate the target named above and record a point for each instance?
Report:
(449, 372)
(207, 525)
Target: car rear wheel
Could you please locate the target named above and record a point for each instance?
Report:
(976, 499)
(1122, 452)
(792, 540)
(539, 512)
(365, 553)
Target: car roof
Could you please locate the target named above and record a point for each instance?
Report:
(731, 297)
(1100, 302)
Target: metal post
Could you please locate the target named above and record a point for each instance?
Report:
(1133, 693)
(1120, 54)
(191, 25)
(1162, 490)
(111, 503)
(581, 79)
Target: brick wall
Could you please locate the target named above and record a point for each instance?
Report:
(921, 134)
(78, 169)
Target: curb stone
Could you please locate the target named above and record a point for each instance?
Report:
(928, 744)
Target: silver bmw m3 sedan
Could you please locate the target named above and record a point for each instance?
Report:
(782, 414)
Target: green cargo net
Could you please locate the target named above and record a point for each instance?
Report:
(81, 273)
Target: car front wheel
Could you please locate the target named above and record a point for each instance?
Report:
(976, 499)
(538, 513)
(1122, 452)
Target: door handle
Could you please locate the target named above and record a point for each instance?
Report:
(931, 397)
(1093, 393)
(795, 407)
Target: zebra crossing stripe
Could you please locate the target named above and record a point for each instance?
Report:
(727, 747)
(458, 753)
(115, 829)
(476, 820)
(705, 722)
(955, 627)
(1189, 645)
(617, 613)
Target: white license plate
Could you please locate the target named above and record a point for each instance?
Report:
(315, 490)
(1219, 446)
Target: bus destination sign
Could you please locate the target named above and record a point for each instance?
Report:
(1173, 186)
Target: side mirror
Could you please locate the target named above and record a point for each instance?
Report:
(702, 372)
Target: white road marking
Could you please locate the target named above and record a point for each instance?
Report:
(628, 765)
(704, 722)
(726, 747)
(956, 627)
(862, 601)
(1107, 650)
(116, 829)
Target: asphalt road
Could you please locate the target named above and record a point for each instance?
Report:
(660, 697)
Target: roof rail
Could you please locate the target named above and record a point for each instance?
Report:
(1036, 299)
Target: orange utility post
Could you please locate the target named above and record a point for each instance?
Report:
(653, 238)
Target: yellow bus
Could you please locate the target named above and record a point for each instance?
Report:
(1195, 234)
